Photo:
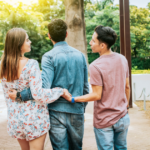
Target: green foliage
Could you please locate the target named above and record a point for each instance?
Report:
(140, 31)
(140, 63)
(87, 2)
(148, 5)
(140, 71)
(34, 20)
(106, 14)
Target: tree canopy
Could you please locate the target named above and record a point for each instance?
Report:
(34, 20)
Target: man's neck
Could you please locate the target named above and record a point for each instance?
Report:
(53, 42)
(107, 52)
(56, 42)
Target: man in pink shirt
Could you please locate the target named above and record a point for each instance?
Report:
(109, 78)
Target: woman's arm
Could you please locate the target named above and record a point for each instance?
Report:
(37, 92)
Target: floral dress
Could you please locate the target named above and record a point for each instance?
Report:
(29, 120)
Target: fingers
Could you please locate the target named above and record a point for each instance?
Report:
(67, 92)
(12, 94)
(12, 91)
(66, 95)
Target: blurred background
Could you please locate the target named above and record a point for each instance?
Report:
(34, 15)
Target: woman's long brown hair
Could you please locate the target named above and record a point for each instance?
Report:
(12, 53)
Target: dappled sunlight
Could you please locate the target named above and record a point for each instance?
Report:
(15, 2)
(34, 18)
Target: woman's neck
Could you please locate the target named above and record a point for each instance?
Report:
(22, 56)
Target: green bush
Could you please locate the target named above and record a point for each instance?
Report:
(140, 71)
(140, 63)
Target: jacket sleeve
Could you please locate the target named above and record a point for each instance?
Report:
(26, 95)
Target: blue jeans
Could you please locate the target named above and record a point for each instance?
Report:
(66, 131)
(114, 136)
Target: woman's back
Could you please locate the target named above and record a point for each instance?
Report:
(23, 77)
(22, 63)
(31, 116)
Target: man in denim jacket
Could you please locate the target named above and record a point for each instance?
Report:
(65, 67)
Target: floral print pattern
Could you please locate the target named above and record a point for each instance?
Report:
(29, 120)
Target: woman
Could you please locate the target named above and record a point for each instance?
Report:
(28, 122)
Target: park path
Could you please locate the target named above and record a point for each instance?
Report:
(138, 136)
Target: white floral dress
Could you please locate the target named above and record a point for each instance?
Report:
(29, 120)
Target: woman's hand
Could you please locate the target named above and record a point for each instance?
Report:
(12, 94)
(67, 95)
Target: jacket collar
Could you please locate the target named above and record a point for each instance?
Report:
(60, 43)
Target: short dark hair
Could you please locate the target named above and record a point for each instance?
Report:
(57, 29)
(106, 35)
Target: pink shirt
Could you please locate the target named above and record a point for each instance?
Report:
(109, 71)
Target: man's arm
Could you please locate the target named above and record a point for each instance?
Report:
(25, 94)
(127, 90)
(94, 96)
(97, 86)
(127, 87)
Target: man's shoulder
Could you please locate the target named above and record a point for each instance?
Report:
(50, 52)
(74, 49)
(96, 63)
(120, 55)
(122, 58)
(56, 50)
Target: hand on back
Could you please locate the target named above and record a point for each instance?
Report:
(67, 95)
(12, 94)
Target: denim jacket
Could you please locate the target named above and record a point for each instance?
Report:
(65, 67)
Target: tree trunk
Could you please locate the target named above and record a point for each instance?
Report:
(74, 16)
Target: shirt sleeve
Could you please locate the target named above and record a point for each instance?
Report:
(38, 93)
(95, 76)
(26, 95)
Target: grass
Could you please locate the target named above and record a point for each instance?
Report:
(140, 71)
(140, 104)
